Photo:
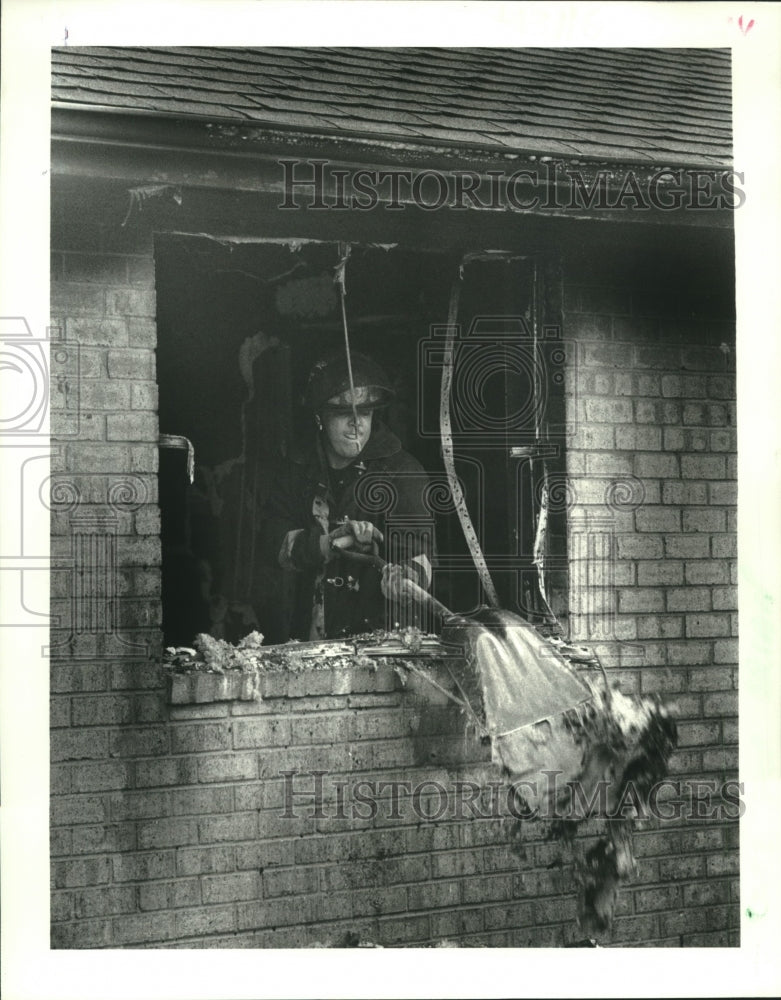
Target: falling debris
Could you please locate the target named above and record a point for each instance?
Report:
(572, 747)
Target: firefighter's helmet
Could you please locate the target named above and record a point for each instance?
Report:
(328, 387)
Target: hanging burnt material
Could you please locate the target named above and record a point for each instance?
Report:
(572, 747)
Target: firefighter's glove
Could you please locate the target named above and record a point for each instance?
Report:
(394, 581)
(359, 536)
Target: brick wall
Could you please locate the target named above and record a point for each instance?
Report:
(166, 825)
(106, 693)
(652, 474)
(182, 839)
(105, 519)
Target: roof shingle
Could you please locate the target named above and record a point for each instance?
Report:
(634, 105)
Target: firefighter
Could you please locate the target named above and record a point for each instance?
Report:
(330, 504)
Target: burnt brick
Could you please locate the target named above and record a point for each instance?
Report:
(703, 572)
(100, 268)
(72, 810)
(664, 898)
(144, 458)
(144, 927)
(96, 777)
(687, 546)
(727, 863)
(723, 703)
(266, 854)
(703, 466)
(236, 826)
(610, 355)
(169, 895)
(724, 441)
(698, 733)
(82, 934)
(700, 626)
(644, 438)
(101, 710)
(143, 395)
(143, 741)
(481, 890)
(683, 493)
(658, 519)
(167, 832)
(143, 552)
(279, 912)
(721, 386)
(689, 386)
(661, 466)
(723, 493)
(608, 464)
(103, 902)
(658, 357)
(131, 363)
(659, 573)
(673, 439)
(600, 436)
(170, 771)
(722, 760)
(640, 547)
(725, 598)
(139, 805)
(694, 413)
(78, 745)
(232, 888)
(82, 871)
(77, 299)
(141, 269)
(638, 599)
(725, 651)
(267, 732)
(59, 712)
(205, 860)
(132, 427)
(706, 519)
(131, 302)
(237, 766)
(702, 359)
(200, 737)
(196, 801)
(456, 923)
(662, 679)
(96, 394)
(141, 332)
(611, 411)
(710, 679)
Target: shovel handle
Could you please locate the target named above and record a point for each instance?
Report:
(413, 589)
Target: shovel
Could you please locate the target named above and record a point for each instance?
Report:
(524, 678)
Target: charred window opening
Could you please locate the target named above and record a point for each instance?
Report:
(239, 327)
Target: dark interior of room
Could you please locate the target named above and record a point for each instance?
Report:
(240, 326)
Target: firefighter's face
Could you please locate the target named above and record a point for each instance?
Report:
(346, 434)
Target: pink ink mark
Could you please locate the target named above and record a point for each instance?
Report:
(744, 30)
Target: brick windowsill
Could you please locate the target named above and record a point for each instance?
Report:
(199, 688)
(321, 677)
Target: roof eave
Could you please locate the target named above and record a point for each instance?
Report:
(135, 126)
